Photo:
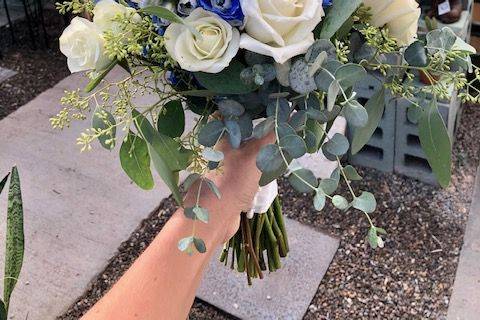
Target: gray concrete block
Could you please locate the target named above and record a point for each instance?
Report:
(378, 153)
(460, 28)
(285, 294)
(410, 160)
(464, 303)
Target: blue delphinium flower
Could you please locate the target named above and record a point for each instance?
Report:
(327, 3)
(229, 10)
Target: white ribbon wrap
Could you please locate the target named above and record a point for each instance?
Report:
(263, 198)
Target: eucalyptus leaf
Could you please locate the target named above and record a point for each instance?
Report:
(162, 13)
(212, 155)
(318, 47)
(333, 91)
(319, 201)
(300, 80)
(349, 74)
(340, 202)
(337, 145)
(416, 55)
(351, 173)
(211, 185)
(210, 133)
(230, 108)
(372, 237)
(436, 143)
(4, 182)
(303, 180)
(298, 120)
(328, 185)
(190, 180)
(14, 237)
(264, 128)
(199, 245)
(375, 108)
(269, 158)
(246, 126)
(234, 133)
(279, 108)
(355, 114)
(3, 311)
(135, 161)
(365, 202)
(290, 141)
(201, 213)
(184, 243)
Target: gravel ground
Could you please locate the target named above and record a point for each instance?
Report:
(411, 278)
(38, 70)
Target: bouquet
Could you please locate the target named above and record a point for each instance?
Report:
(248, 68)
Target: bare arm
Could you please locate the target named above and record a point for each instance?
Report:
(162, 282)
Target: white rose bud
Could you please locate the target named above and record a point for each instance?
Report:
(106, 10)
(399, 16)
(211, 51)
(83, 45)
(280, 29)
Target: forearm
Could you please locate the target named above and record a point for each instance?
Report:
(161, 284)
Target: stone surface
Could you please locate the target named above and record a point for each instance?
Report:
(6, 73)
(78, 206)
(285, 294)
(465, 300)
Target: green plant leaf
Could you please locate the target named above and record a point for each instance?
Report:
(199, 245)
(234, 133)
(337, 145)
(230, 108)
(365, 202)
(135, 161)
(211, 185)
(349, 74)
(328, 185)
(319, 201)
(4, 182)
(416, 55)
(3, 311)
(269, 159)
(355, 113)
(372, 237)
(351, 173)
(103, 73)
(184, 243)
(165, 154)
(201, 214)
(171, 120)
(340, 12)
(290, 141)
(191, 179)
(264, 128)
(211, 132)
(212, 154)
(162, 13)
(15, 237)
(436, 143)
(375, 107)
(340, 202)
(226, 81)
(299, 78)
(102, 120)
(303, 180)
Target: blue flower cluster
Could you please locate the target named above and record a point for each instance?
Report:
(229, 10)
(327, 3)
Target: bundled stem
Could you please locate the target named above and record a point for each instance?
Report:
(265, 233)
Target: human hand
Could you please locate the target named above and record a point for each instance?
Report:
(237, 181)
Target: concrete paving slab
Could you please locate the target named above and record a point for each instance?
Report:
(79, 207)
(285, 294)
(465, 300)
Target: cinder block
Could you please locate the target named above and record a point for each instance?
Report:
(378, 153)
(461, 27)
(410, 160)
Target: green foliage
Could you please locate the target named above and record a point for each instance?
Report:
(365, 202)
(14, 237)
(416, 55)
(162, 13)
(104, 123)
(103, 73)
(226, 81)
(338, 145)
(300, 79)
(303, 180)
(436, 143)
(135, 161)
(375, 107)
(171, 119)
(338, 14)
(211, 132)
(340, 202)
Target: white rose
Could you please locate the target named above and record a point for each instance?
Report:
(280, 29)
(399, 16)
(83, 45)
(106, 10)
(210, 52)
